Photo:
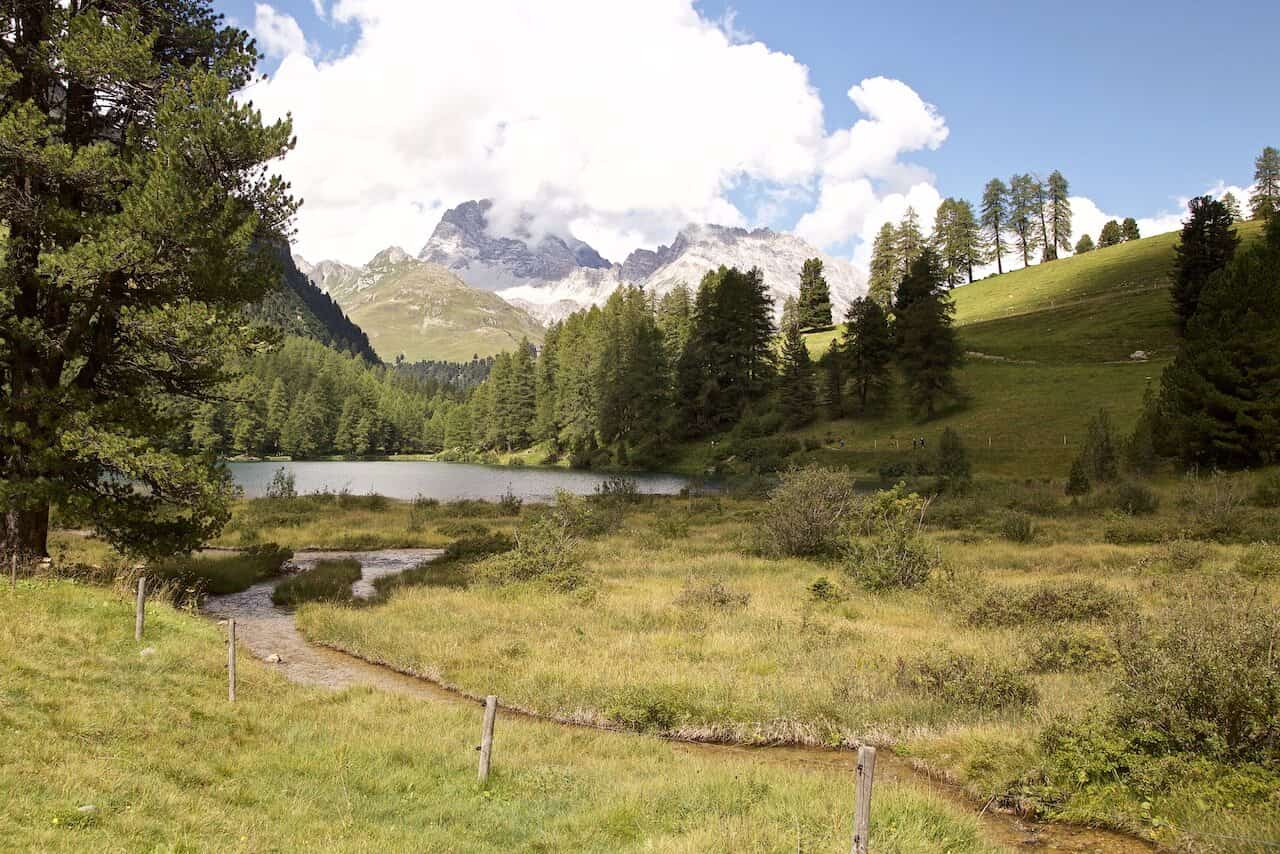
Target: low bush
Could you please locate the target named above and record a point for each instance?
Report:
(546, 551)
(509, 503)
(420, 510)
(1267, 492)
(1259, 560)
(1068, 650)
(584, 517)
(887, 550)
(283, 484)
(456, 528)
(671, 525)
(327, 581)
(808, 511)
(1129, 498)
(1127, 531)
(712, 593)
(1017, 527)
(824, 589)
(966, 681)
(1042, 603)
(193, 575)
(1182, 555)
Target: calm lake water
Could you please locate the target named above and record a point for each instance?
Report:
(445, 481)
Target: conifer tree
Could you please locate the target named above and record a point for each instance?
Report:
(1206, 245)
(1024, 209)
(833, 374)
(957, 239)
(995, 219)
(883, 274)
(1048, 246)
(1129, 229)
(1059, 212)
(1264, 202)
(909, 242)
(867, 347)
(277, 412)
(545, 426)
(815, 296)
(795, 384)
(954, 471)
(140, 218)
(1232, 204)
(675, 320)
(1084, 244)
(1100, 455)
(1111, 235)
(925, 342)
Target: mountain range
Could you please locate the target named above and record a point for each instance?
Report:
(472, 291)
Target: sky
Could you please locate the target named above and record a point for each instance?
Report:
(619, 121)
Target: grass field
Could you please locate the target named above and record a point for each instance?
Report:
(146, 742)
(704, 636)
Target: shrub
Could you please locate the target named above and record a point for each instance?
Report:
(584, 517)
(1124, 531)
(1182, 554)
(1017, 527)
(618, 488)
(420, 509)
(824, 589)
(1044, 603)
(963, 680)
(671, 525)
(887, 550)
(463, 529)
(1203, 678)
(283, 484)
(952, 466)
(1100, 456)
(1078, 480)
(509, 503)
(478, 546)
(1267, 492)
(711, 594)
(194, 575)
(1068, 650)
(327, 581)
(1215, 503)
(546, 551)
(808, 511)
(1260, 560)
(1131, 499)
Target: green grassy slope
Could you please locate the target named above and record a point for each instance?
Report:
(1048, 347)
(426, 312)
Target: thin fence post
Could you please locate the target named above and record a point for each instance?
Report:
(140, 609)
(13, 569)
(231, 661)
(862, 805)
(486, 736)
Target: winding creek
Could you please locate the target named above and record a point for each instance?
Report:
(271, 634)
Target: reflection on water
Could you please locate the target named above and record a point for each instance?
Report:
(444, 481)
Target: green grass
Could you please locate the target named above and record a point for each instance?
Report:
(220, 574)
(637, 650)
(327, 581)
(1049, 346)
(151, 742)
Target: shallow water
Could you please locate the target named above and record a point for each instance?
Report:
(442, 481)
(267, 631)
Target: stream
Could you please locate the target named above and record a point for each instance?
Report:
(271, 634)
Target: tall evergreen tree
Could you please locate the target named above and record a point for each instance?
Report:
(1047, 245)
(815, 296)
(1129, 229)
(1264, 202)
(1220, 399)
(883, 274)
(925, 341)
(958, 240)
(908, 241)
(995, 219)
(1059, 212)
(832, 364)
(1232, 204)
(795, 383)
(141, 217)
(1084, 244)
(1111, 235)
(1205, 246)
(675, 321)
(1023, 215)
(867, 347)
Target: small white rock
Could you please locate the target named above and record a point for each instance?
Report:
(1139, 355)
(88, 809)
(274, 658)
(147, 651)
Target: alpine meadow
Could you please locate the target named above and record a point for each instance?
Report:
(439, 427)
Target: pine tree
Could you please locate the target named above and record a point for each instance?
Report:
(1084, 244)
(908, 242)
(1141, 448)
(1206, 245)
(883, 274)
(1264, 202)
(957, 240)
(1232, 204)
(675, 320)
(954, 472)
(815, 296)
(1220, 399)
(833, 374)
(1048, 246)
(277, 412)
(1129, 229)
(1111, 235)
(867, 347)
(1023, 212)
(546, 428)
(140, 217)
(995, 219)
(925, 341)
(1100, 456)
(795, 384)
(1059, 212)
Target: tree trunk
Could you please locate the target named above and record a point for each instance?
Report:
(28, 531)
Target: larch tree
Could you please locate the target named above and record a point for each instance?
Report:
(1111, 235)
(832, 364)
(883, 273)
(1206, 245)
(924, 337)
(1049, 249)
(1023, 214)
(1232, 204)
(1129, 229)
(909, 241)
(1084, 244)
(140, 217)
(1059, 212)
(796, 393)
(867, 347)
(957, 239)
(995, 219)
(1264, 201)
(815, 296)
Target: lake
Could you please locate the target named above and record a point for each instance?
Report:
(445, 481)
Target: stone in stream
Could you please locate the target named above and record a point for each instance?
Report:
(274, 658)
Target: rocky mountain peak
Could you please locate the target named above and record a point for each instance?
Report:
(388, 257)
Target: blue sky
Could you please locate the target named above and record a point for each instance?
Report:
(1139, 104)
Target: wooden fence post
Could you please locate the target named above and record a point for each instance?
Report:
(231, 661)
(140, 610)
(486, 736)
(862, 806)
(13, 569)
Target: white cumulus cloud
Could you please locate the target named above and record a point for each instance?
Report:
(277, 33)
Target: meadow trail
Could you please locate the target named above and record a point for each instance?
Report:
(271, 634)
